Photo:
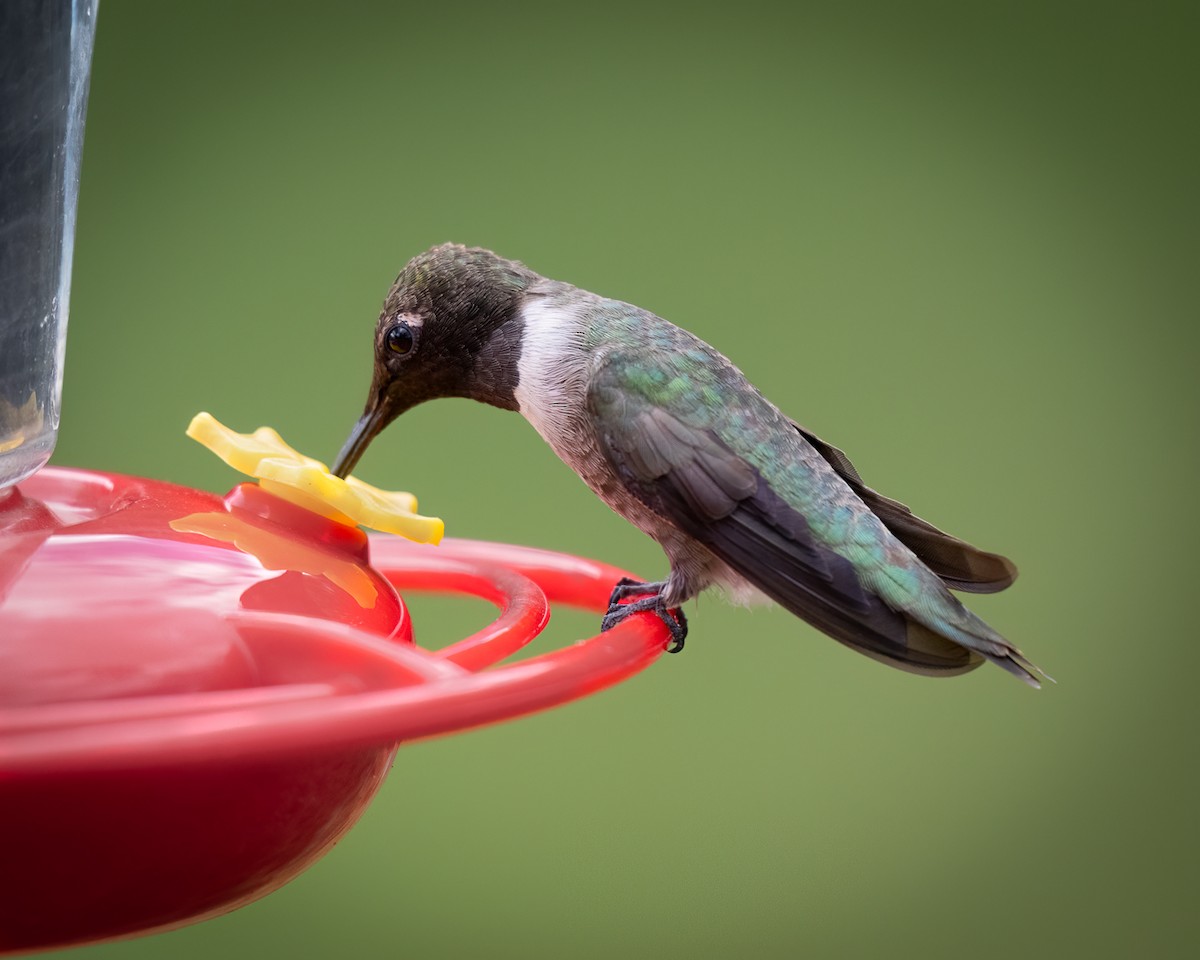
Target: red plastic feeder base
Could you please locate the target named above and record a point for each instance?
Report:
(184, 790)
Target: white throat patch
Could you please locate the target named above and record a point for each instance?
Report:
(552, 369)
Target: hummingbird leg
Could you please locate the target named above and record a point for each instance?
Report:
(650, 600)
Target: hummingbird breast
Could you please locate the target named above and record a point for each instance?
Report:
(560, 346)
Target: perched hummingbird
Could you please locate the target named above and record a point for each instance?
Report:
(674, 438)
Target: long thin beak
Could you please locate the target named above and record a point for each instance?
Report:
(369, 424)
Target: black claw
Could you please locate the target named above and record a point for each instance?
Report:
(677, 623)
(619, 592)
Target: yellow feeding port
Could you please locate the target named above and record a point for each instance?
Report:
(289, 474)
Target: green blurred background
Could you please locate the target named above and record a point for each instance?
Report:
(950, 238)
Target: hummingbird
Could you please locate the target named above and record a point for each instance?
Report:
(674, 438)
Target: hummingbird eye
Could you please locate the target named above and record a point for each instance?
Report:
(400, 338)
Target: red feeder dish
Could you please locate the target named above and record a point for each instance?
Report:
(200, 695)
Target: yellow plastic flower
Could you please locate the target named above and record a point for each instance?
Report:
(302, 480)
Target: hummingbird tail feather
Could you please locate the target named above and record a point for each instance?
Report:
(1020, 668)
(965, 629)
(1004, 655)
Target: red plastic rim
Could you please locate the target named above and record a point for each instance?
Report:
(428, 693)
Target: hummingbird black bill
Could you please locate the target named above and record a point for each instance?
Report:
(368, 426)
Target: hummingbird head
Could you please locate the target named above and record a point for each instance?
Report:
(449, 328)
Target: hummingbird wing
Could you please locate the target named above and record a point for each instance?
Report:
(697, 444)
(961, 565)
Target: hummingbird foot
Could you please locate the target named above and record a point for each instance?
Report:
(649, 601)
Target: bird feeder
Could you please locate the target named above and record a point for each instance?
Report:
(199, 695)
